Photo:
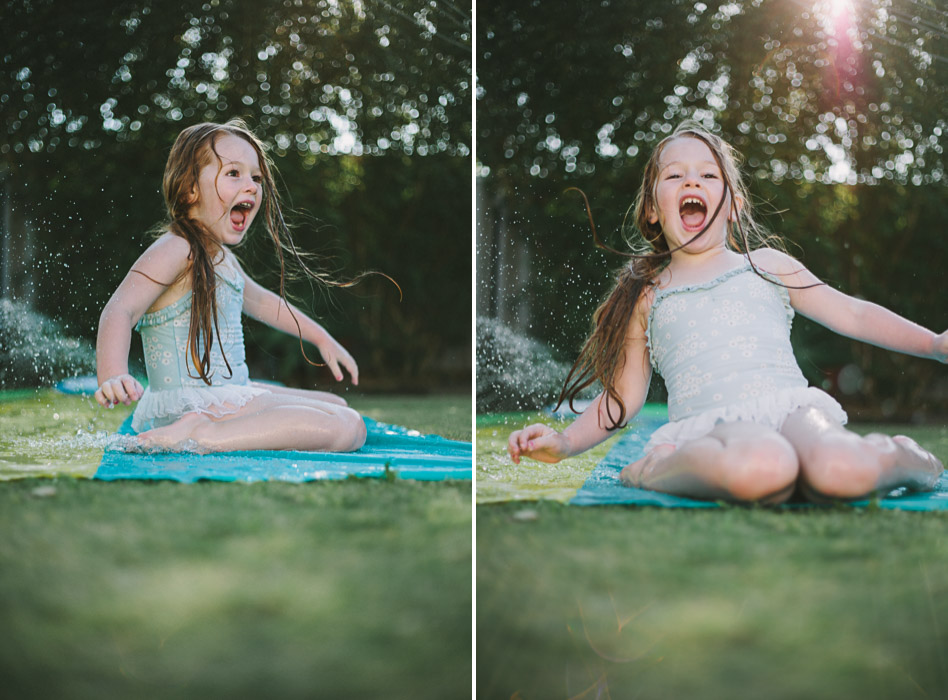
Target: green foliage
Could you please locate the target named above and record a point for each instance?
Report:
(794, 89)
(775, 80)
(83, 74)
(366, 108)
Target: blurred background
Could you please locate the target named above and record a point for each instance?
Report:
(366, 107)
(838, 107)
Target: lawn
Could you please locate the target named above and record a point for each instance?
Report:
(356, 589)
(618, 602)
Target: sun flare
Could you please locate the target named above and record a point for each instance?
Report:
(839, 7)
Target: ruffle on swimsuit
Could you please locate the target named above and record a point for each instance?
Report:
(723, 348)
(171, 391)
(770, 411)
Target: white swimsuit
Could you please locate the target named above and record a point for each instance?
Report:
(174, 387)
(723, 348)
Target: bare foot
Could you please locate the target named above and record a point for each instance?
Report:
(179, 436)
(632, 474)
(913, 456)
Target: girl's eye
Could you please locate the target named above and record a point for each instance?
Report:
(672, 176)
(712, 176)
(232, 172)
(258, 179)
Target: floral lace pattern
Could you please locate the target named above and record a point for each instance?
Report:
(723, 348)
(174, 387)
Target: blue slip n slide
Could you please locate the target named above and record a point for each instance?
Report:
(604, 488)
(388, 449)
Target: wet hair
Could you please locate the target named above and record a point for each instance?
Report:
(195, 148)
(602, 356)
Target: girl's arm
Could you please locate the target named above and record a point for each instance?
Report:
(269, 308)
(164, 261)
(542, 443)
(846, 315)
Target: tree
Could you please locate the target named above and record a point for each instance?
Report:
(829, 103)
(365, 105)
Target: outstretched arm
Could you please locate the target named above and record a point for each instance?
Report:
(164, 261)
(846, 315)
(543, 443)
(269, 308)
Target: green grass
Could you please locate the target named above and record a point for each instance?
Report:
(356, 589)
(617, 602)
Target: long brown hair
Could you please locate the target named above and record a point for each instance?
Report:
(192, 150)
(602, 356)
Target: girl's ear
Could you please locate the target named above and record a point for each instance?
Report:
(652, 215)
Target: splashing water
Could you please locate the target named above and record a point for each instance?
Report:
(514, 372)
(34, 350)
(44, 433)
(132, 444)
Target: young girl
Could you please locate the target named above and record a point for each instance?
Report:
(711, 311)
(185, 295)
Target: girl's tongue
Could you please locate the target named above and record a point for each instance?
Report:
(693, 214)
(238, 217)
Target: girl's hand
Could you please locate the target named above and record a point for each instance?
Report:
(334, 355)
(122, 388)
(940, 347)
(539, 442)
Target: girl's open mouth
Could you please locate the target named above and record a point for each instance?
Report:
(693, 212)
(239, 214)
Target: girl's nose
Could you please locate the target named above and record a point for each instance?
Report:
(692, 180)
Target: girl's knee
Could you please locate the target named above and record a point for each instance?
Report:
(763, 470)
(350, 433)
(846, 467)
(360, 432)
(327, 397)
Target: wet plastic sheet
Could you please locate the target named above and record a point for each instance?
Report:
(604, 488)
(389, 449)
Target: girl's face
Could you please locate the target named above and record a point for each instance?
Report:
(688, 191)
(228, 195)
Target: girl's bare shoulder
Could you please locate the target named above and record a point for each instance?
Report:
(774, 261)
(169, 247)
(165, 259)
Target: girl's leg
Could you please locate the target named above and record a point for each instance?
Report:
(837, 464)
(740, 462)
(303, 393)
(267, 422)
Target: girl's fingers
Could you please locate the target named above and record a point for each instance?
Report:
(123, 388)
(131, 387)
(119, 394)
(530, 440)
(353, 368)
(100, 398)
(513, 446)
(543, 442)
(333, 365)
(530, 433)
(107, 395)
